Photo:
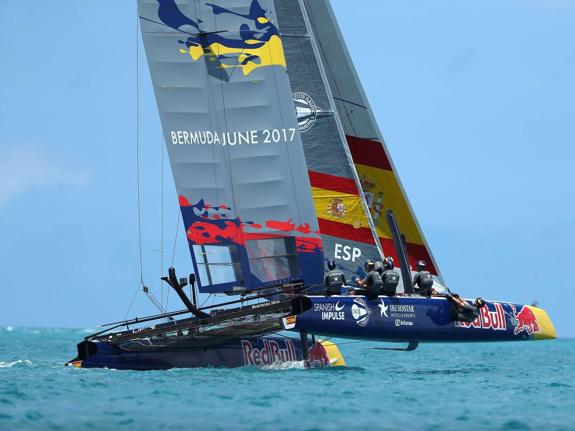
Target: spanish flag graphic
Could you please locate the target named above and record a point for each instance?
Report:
(382, 192)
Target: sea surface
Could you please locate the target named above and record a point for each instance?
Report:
(507, 386)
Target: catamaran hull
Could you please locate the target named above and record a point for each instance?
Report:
(402, 318)
(254, 351)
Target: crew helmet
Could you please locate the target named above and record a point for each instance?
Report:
(331, 264)
(421, 264)
(388, 263)
(369, 265)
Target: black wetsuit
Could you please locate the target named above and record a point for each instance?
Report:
(334, 280)
(390, 280)
(423, 281)
(463, 313)
(374, 284)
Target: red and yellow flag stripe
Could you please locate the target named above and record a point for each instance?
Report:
(339, 208)
(382, 191)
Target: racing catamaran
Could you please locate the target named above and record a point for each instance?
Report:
(280, 166)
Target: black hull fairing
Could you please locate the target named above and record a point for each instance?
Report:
(249, 351)
(416, 318)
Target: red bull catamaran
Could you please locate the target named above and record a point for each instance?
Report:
(280, 167)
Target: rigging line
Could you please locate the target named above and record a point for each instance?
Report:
(206, 300)
(138, 152)
(176, 237)
(138, 163)
(162, 217)
(173, 253)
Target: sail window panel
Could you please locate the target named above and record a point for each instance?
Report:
(163, 46)
(177, 100)
(259, 91)
(216, 264)
(273, 259)
(178, 75)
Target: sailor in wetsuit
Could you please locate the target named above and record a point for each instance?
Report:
(389, 277)
(463, 311)
(422, 280)
(371, 285)
(334, 280)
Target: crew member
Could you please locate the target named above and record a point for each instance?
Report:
(422, 280)
(334, 279)
(371, 285)
(464, 311)
(389, 277)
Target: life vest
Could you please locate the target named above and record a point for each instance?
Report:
(334, 278)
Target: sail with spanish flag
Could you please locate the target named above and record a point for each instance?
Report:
(346, 228)
(379, 179)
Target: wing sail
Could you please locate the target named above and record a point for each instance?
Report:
(379, 179)
(219, 74)
(344, 220)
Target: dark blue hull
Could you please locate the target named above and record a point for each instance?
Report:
(249, 351)
(415, 318)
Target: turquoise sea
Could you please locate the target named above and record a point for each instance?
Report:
(511, 386)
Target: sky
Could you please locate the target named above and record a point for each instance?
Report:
(475, 99)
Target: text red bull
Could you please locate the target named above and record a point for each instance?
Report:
(270, 354)
(494, 320)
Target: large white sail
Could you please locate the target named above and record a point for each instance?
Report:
(219, 74)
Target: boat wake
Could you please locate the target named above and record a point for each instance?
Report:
(279, 366)
(18, 363)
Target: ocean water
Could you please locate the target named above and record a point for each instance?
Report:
(509, 386)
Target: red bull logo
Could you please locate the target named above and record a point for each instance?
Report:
(494, 320)
(271, 353)
(208, 224)
(526, 321)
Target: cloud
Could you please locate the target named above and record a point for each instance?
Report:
(26, 169)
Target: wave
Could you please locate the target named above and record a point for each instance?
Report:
(19, 362)
(277, 366)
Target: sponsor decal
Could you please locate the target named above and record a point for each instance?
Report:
(383, 308)
(399, 322)
(494, 320)
(330, 311)
(346, 252)
(270, 353)
(231, 139)
(336, 208)
(289, 322)
(318, 356)
(526, 321)
(398, 312)
(306, 111)
(360, 311)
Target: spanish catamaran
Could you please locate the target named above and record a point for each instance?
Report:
(280, 167)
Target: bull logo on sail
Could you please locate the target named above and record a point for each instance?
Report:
(208, 224)
(249, 44)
